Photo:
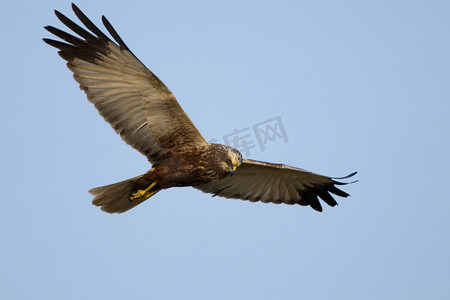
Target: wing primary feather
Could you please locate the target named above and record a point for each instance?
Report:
(69, 52)
(63, 35)
(114, 33)
(337, 191)
(312, 200)
(77, 29)
(344, 183)
(303, 201)
(85, 20)
(67, 49)
(56, 44)
(325, 196)
(345, 177)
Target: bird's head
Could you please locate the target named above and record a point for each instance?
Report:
(232, 160)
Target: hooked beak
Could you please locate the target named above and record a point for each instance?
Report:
(233, 170)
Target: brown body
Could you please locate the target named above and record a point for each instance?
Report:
(192, 168)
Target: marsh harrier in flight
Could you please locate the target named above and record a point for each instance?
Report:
(144, 112)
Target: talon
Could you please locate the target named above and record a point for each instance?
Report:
(144, 194)
(137, 195)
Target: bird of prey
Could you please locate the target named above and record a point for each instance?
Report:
(143, 111)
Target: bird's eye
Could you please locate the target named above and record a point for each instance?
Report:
(229, 161)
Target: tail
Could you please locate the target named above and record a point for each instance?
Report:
(115, 198)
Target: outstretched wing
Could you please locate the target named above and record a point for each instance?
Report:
(128, 95)
(276, 183)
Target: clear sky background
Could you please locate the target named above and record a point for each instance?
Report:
(359, 86)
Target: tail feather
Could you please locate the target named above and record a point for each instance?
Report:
(115, 198)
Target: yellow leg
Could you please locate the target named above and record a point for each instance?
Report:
(144, 194)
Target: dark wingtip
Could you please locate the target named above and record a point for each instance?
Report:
(53, 43)
(48, 28)
(58, 14)
(114, 33)
(87, 22)
(336, 191)
(345, 177)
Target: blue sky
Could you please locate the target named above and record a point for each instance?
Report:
(359, 86)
